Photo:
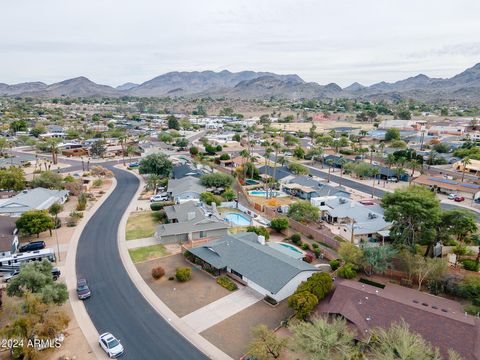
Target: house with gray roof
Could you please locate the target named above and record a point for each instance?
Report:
(34, 199)
(306, 188)
(187, 222)
(185, 189)
(247, 259)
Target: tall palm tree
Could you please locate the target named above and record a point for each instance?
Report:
(465, 161)
(330, 163)
(375, 171)
(245, 155)
(372, 150)
(342, 161)
(268, 152)
(414, 163)
(276, 148)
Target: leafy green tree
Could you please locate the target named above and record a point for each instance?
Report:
(319, 284)
(299, 153)
(347, 271)
(36, 277)
(229, 194)
(98, 148)
(323, 339)
(303, 303)
(236, 137)
(378, 258)
(457, 222)
(157, 164)
(34, 222)
(392, 134)
(298, 169)
(415, 213)
(351, 254)
(47, 180)
(173, 122)
(208, 198)
(470, 287)
(217, 180)
(259, 230)
(303, 211)
(266, 344)
(182, 143)
(442, 148)
(404, 114)
(193, 151)
(18, 125)
(12, 178)
(279, 223)
(398, 342)
(165, 137)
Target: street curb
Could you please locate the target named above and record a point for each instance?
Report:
(78, 307)
(160, 307)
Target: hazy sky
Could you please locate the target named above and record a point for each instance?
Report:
(115, 41)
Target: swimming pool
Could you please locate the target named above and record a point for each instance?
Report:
(237, 219)
(251, 182)
(263, 193)
(287, 249)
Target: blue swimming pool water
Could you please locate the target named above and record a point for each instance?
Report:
(237, 219)
(293, 248)
(263, 193)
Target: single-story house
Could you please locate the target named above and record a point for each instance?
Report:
(368, 221)
(8, 236)
(34, 199)
(182, 170)
(441, 322)
(306, 188)
(187, 188)
(473, 167)
(385, 173)
(247, 259)
(188, 222)
(281, 173)
(447, 186)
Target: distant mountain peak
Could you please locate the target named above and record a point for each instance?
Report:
(126, 86)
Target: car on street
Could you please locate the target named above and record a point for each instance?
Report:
(459, 198)
(111, 345)
(159, 197)
(134, 164)
(32, 246)
(392, 179)
(83, 291)
(451, 196)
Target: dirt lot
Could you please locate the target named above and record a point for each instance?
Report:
(234, 334)
(181, 298)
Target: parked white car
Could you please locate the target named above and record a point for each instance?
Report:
(159, 197)
(111, 345)
(451, 196)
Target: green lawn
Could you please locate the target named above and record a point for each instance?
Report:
(147, 253)
(141, 225)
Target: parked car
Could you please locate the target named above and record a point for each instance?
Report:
(32, 246)
(83, 291)
(451, 196)
(55, 274)
(134, 164)
(111, 345)
(392, 179)
(477, 200)
(459, 198)
(159, 197)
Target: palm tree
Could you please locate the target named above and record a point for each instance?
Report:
(330, 163)
(341, 162)
(372, 150)
(268, 152)
(414, 163)
(465, 161)
(153, 181)
(276, 147)
(123, 140)
(245, 155)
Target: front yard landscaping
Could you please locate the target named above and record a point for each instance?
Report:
(142, 225)
(147, 253)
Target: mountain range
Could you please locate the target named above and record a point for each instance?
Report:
(462, 88)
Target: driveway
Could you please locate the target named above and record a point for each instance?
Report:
(222, 309)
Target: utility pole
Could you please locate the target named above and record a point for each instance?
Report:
(352, 235)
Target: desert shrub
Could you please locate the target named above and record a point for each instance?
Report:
(82, 202)
(317, 252)
(476, 301)
(470, 287)
(183, 274)
(97, 183)
(278, 224)
(334, 264)
(227, 283)
(308, 258)
(315, 246)
(76, 214)
(171, 278)
(155, 206)
(472, 310)
(71, 222)
(347, 272)
(158, 272)
(74, 188)
(296, 238)
(471, 265)
(259, 230)
(451, 284)
(305, 246)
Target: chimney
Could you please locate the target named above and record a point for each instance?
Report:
(261, 239)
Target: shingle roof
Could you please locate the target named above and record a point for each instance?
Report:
(440, 321)
(38, 198)
(263, 265)
(186, 184)
(188, 227)
(181, 211)
(280, 172)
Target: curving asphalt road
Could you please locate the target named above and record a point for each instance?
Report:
(378, 192)
(116, 305)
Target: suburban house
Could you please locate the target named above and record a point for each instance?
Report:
(189, 222)
(473, 167)
(185, 189)
(366, 307)
(385, 173)
(281, 173)
(366, 220)
(182, 170)
(400, 124)
(247, 259)
(306, 188)
(446, 186)
(34, 199)
(8, 236)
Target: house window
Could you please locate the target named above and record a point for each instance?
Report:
(236, 273)
(202, 234)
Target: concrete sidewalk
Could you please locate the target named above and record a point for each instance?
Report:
(222, 309)
(133, 244)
